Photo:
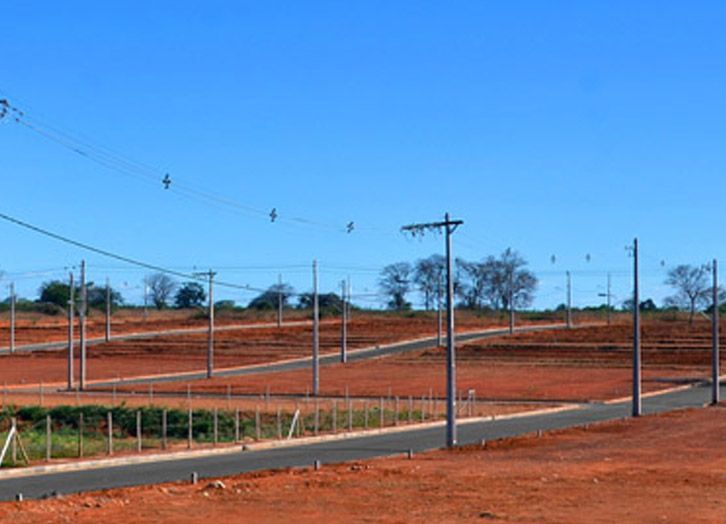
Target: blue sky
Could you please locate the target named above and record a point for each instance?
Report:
(563, 128)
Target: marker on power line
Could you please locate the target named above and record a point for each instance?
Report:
(449, 226)
(166, 181)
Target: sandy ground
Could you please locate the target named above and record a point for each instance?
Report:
(613, 472)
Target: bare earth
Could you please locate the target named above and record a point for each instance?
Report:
(179, 353)
(613, 472)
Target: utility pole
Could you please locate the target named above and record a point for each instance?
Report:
(210, 335)
(715, 378)
(82, 322)
(569, 300)
(279, 300)
(610, 294)
(439, 333)
(344, 326)
(350, 298)
(449, 226)
(316, 334)
(12, 317)
(636, 334)
(108, 310)
(511, 301)
(146, 298)
(71, 319)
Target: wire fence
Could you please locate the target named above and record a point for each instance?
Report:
(86, 431)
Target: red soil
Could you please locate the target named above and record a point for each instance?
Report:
(178, 353)
(614, 472)
(592, 363)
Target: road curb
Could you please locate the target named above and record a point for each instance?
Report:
(258, 446)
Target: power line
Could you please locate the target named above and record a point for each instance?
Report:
(125, 165)
(116, 256)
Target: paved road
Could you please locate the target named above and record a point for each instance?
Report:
(330, 358)
(333, 451)
(149, 334)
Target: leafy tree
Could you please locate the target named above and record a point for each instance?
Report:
(692, 288)
(96, 296)
(428, 276)
(55, 292)
(395, 282)
(270, 299)
(328, 301)
(190, 295)
(161, 287)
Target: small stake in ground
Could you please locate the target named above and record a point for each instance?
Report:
(109, 417)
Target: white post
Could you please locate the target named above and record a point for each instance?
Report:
(12, 317)
(71, 319)
(82, 321)
(344, 326)
(636, 334)
(108, 310)
(715, 376)
(316, 335)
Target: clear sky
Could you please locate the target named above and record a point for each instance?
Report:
(556, 128)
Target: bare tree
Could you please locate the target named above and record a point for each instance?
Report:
(161, 286)
(428, 276)
(395, 282)
(692, 287)
(493, 281)
(472, 283)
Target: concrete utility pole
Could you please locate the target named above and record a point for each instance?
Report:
(637, 409)
(344, 326)
(569, 300)
(108, 310)
(12, 317)
(449, 226)
(82, 322)
(71, 319)
(439, 331)
(715, 378)
(610, 294)
(210, 336)
(146, 298)
(279, 300)
(316, 334)
(511, 302)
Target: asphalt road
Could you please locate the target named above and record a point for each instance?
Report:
(149, 334)
(330, 358)
(41, 485)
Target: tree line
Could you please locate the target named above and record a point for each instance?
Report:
(493, 283)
